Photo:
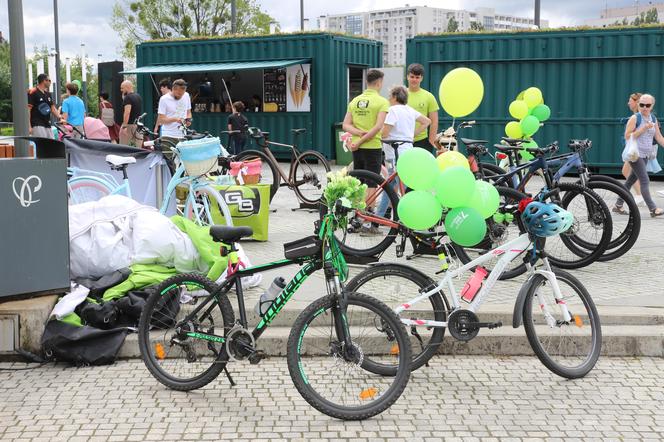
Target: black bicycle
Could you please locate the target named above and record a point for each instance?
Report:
(348, 354)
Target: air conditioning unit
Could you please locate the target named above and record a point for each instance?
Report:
(9, 326)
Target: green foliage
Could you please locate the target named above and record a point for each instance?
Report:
(452, 25)
(6, 131)
(646, 17)
(5, 83)
(476, 26)
(141, 20)
(346, 188)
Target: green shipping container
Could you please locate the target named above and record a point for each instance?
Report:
(586, 77)
(333, 64)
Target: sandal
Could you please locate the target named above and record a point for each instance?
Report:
(620, 210)
(656, 212)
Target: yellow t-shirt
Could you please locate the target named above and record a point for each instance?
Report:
(424, 102)
(365, 109)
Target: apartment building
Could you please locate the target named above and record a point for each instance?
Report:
(611, 16)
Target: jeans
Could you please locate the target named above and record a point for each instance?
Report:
(385, 200)
(639, 173)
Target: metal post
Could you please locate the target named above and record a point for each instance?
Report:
(19, 89)
(84, 78)
(233, 17)
(301, 15)
(537, 13)
(56, 78)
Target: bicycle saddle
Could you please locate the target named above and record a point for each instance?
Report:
(507, 149)
(299, 131)
(469, 142)
(512, 141)
(230, 234)
(117, 160)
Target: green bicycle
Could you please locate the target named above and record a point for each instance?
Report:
(348, 354)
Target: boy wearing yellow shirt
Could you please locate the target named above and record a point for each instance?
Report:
(425, 103)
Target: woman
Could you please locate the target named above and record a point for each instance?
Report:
(643, 127)
(237, 121)
(113, 128)
(633, 105)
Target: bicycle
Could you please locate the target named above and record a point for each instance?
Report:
(348, 355)
(562, 325)
(307, 174)
(197, 205)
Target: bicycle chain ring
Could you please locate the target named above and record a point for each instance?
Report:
(458, 324)
(237, 341)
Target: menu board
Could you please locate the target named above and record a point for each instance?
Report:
(274, 90)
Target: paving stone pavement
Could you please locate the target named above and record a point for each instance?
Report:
(456, 398)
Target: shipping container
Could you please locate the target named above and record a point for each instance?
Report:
(586, 77)
(267, 66)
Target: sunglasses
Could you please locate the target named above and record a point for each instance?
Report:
(648, 105)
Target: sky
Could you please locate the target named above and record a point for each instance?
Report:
(88, 21)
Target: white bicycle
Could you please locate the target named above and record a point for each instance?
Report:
(558, 314)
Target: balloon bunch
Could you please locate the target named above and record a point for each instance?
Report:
(530, 110)
(445, 185)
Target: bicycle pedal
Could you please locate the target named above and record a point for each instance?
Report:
(488, 325)
(256, 357)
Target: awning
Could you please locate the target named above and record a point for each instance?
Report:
(214, 67)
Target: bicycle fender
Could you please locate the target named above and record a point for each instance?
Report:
(517, 316)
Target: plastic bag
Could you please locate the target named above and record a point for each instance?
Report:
(653, 166)
(631, 150)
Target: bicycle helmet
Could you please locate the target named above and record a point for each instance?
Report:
(546, 219)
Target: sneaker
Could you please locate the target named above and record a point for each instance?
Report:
(660, 193)
(369, 231)
(638, 199)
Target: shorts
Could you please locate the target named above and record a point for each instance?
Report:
(368, 159)
(424, 144)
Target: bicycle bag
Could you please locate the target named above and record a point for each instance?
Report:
(308, 246)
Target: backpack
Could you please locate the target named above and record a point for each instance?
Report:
(107, 116)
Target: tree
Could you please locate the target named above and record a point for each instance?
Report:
(452, 25)
(141, 20)
(5, 83)
(646, 17)
(476, 26)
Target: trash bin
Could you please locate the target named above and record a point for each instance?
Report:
(343, 157)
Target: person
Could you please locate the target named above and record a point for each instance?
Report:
(425, 103)
(256, 105)
(109, 120)
(364, 120)
(164, 88)
(41, 107)
(643, 126)
(400, 125)
(132, 106)
(73, 110)
(237, 121)
(633, 105)
(174, 110)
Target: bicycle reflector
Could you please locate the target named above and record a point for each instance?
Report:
(501, 156)
(524, 203)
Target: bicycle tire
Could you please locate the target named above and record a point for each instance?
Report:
(371, 179)
(302, 163)
(583, 257)
(608, 179)
(399, 372)
(438, 302)
(205, 216)
(511, 197)
(593, 317)
(275, 178)
(153, 314)
(493, 169)
(84, 189)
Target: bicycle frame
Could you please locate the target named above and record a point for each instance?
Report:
(507, 253)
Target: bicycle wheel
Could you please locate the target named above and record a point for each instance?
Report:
(626, 227)
(269, 173)
(310, 174)
(568, 348)
(204, 205)
(395, 284)
(499, 233)
(592, 227)
(349, 383)
(172, 355)
(369, 233)
(83, 189)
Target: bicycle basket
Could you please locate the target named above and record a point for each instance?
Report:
(199, 156)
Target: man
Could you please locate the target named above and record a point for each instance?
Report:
(174, 109)
(132, 107)
(164, 88)
(73, 110)
(40, 106)
(364, 120)
(425, 103)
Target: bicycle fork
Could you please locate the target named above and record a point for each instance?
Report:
(560, 301)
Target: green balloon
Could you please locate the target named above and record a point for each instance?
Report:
(525, 155)
(454, 187)
(530, 125)
(541, 112)
(485, 199)
(417, 169)
(419, 210)
(465, 226)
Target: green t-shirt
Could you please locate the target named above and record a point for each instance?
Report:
(365, 109)
(424, 102)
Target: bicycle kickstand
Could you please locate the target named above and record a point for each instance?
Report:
(228, 375)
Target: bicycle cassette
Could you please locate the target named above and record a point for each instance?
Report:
(461, 325)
